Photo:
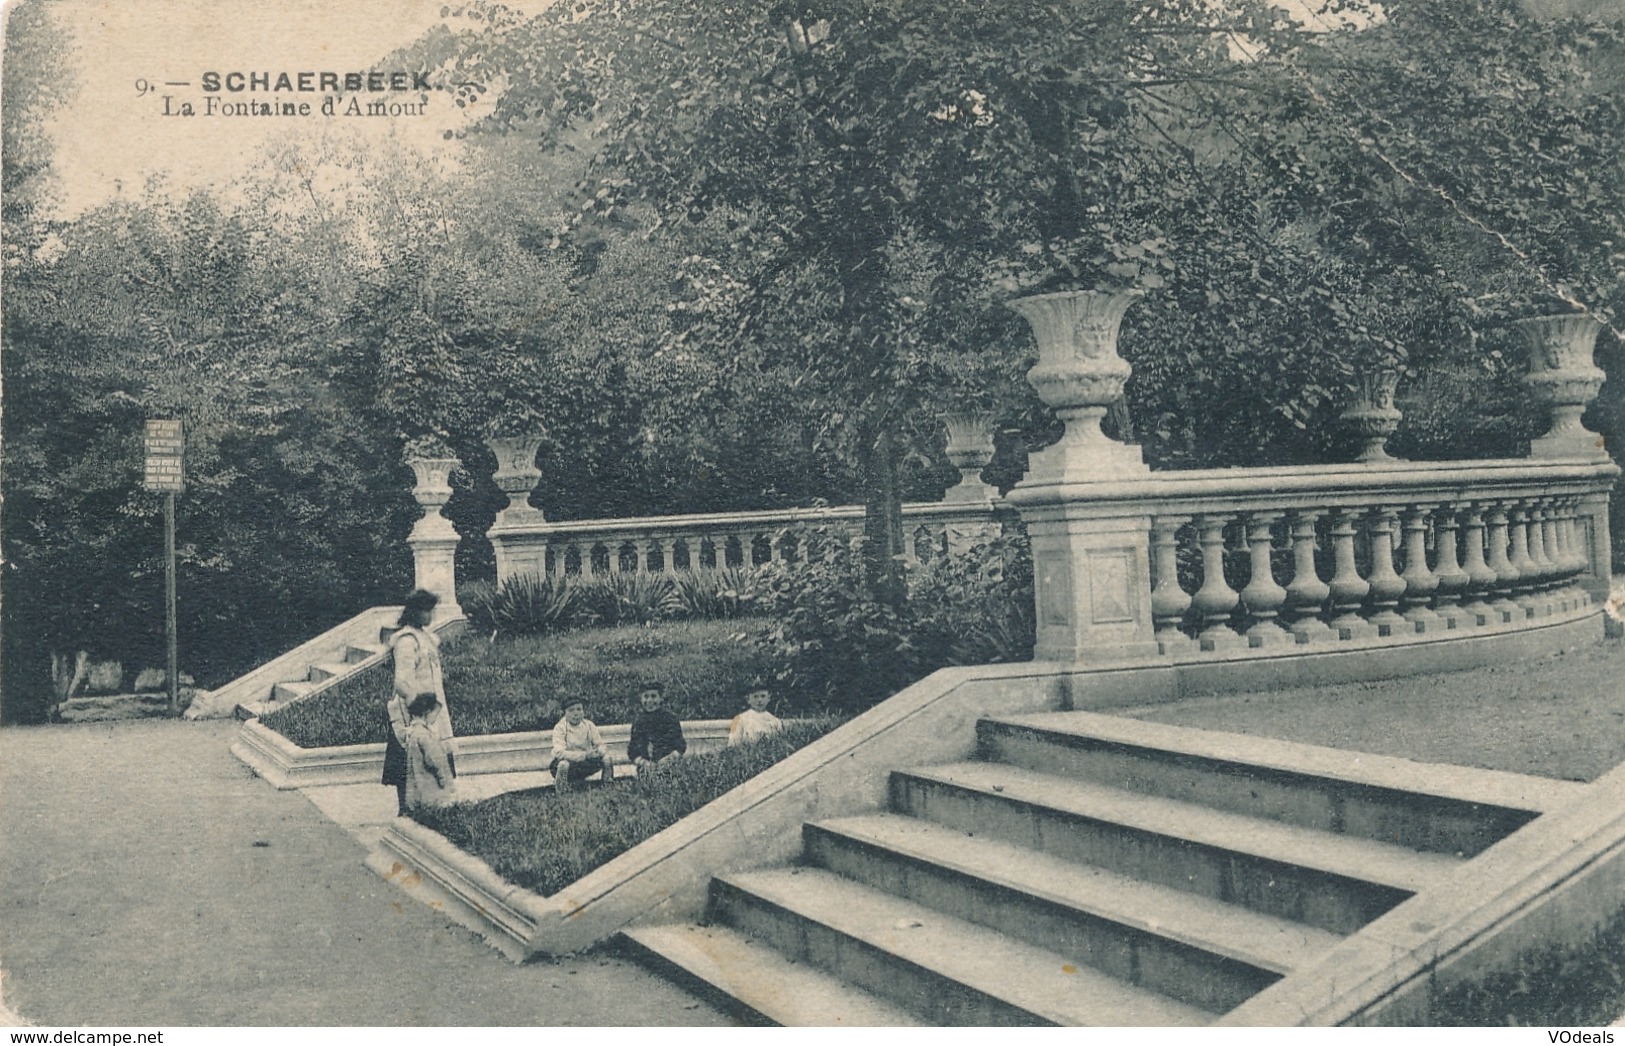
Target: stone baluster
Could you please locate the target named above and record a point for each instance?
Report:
(1555, 576)
(1518, 556)
(1386, 585)
(668, 555)
(1480, 575)
(1557, 554)
(1420, 582)
(1263, 596)
(1348, 589)
(1307, 593)
(1555, 568)
(1453, 580)
(614, 548)
(1497, 539)
(1541, 578)
(1168, 600)
(1563, 526)
(1215, 601)
(1575, 559)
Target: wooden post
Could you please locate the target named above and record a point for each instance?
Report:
(169, 601)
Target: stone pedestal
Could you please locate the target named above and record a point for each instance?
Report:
(519, 550)
(433, 538)
(1564, 378)
(1092, 581)
(1091, 563)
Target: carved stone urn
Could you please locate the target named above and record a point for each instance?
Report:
(516, 476)
(970, 448)
(433, 487)
(433, 538)
(1079, 374)
(1564, 378)
(1372, 416)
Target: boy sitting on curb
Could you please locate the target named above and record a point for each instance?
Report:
(657, 735)
(578, 749)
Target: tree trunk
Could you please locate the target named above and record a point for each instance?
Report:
(883, 521)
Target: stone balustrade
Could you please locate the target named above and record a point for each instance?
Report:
(1244, 562)
(676, 544)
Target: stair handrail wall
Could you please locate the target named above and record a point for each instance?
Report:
(255, 685)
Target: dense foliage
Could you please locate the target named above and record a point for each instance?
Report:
(835, 642)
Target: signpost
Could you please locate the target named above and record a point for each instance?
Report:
(166, 474)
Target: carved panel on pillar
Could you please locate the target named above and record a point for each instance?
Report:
(1054, 590)
(1111, 591)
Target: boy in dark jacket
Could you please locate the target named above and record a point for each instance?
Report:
(656, 733)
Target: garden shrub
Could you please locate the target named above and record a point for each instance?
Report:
(533, 605)
(544, 841)
(528, 605)
(833, 643)
(718, 593)
(626, 599)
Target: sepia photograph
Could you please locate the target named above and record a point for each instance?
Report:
(709, 514)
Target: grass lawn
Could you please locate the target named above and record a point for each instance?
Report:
(545, 841)
(510, 685)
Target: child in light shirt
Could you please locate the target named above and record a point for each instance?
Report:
(756, 722)
(578, 749)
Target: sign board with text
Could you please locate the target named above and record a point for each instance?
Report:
(165, 445)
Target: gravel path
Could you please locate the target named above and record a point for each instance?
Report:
(147, 878)
(1561, 716)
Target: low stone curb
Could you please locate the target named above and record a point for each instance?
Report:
(285, 765)
(426, 865)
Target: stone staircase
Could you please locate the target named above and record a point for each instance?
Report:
(313, 665)
(1085, 870)
(332, 665)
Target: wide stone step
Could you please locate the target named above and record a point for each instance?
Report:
(945, 969)
(358, 652)
(1202, 951)
(1335, 882)
(325, 670)
(291, 691)
(757, 983)
(1445, 809)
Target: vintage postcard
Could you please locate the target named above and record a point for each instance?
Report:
(850, 513)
